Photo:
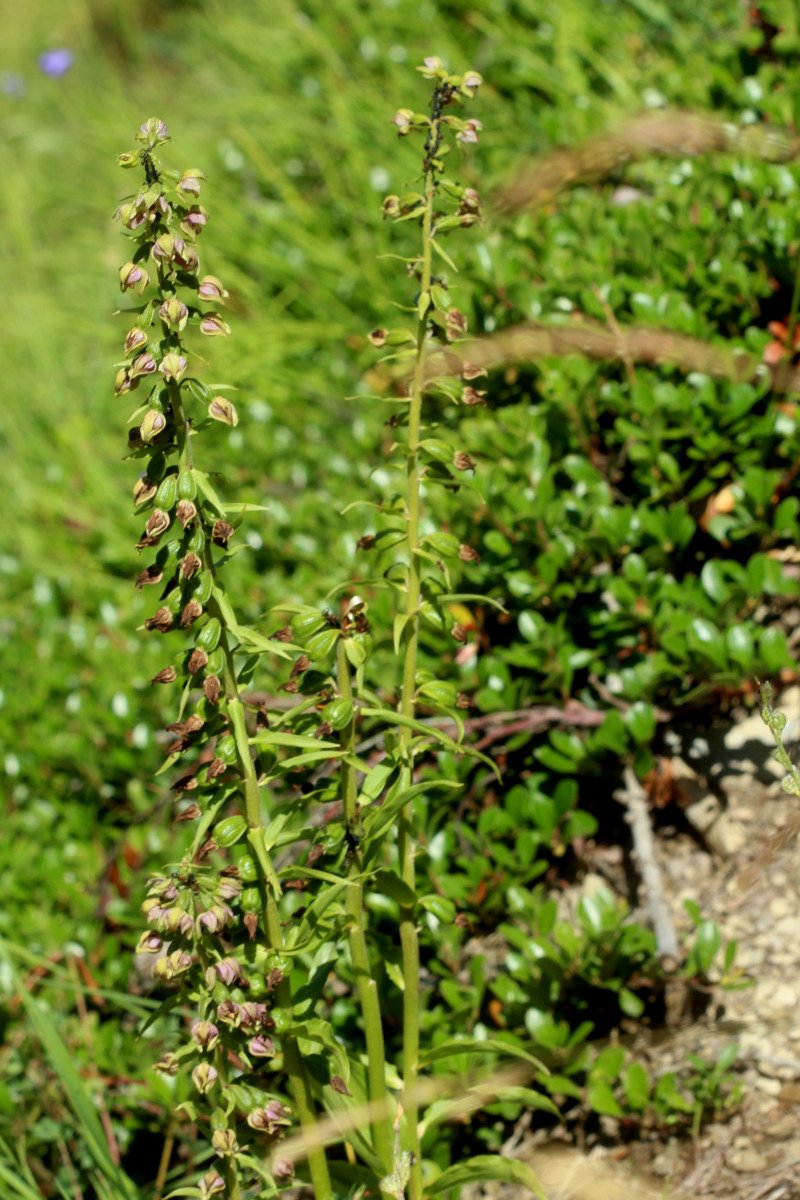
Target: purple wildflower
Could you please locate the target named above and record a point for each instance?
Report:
(56, 63)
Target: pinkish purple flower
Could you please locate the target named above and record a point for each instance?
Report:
(212, 325)
(204, 1076)
(469, 134)
(227, 969)
(261, 1047)
(205, 1034)
(228, 1013)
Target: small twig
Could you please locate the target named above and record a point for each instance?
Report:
(634, 799)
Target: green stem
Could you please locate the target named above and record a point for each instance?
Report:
(409, 940)
(299, 1082)
(382, 1137)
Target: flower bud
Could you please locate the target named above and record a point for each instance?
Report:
(122, 382)
(143, 364)
(174, 314)
(204, 1076)
(190, 565)
(162, 620)
(212, 1184)
(190, 180)
(471, 371)
(143, 490)
(468, 134)
(205, 1034)
(462, 461)
(431, 66)
(210, 288)
(177, 920)
(229, 889)
(228, 970)
(212, 325)
(173, 366)
(455, 324)
(166, 247)
(153, 423)
(402, 119)
(168, 1064)
(222, 410)
(149, 943)
(224, 1142)
(191, 611)
(221, 533)
(282, 1168)
(168, 675)
(261, 1047)
(153, 132)
(186, 512)
(228, 1013)
(134, 340)
(269, 1118)
(470, 82)
(133, 278)
(157, 523)
(174, 964)
(194, 221)
(197, 660)
(214, 919)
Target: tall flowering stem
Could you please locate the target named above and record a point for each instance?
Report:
(214, 931)
(435, 319)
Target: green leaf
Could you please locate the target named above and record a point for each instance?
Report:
(601, 1099)
(486, 1167)
(388, 883)
(430, 731)
(636, 1083)
(473, 1046)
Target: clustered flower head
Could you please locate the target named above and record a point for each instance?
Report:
(457, 206)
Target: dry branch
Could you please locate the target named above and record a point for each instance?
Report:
(633, 798)
(637, 344)
(673, 132)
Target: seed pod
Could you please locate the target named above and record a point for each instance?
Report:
(338, 714)
(187, 487)
(226, 749)
(196, 540)
(167, 492)
(248, 871)
(230, 830)
(203, 588)
(305, 624)
(209, 635)
(250, 900)
(216, 663)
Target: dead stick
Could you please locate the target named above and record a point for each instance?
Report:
(633, 798)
